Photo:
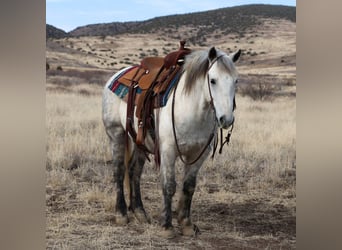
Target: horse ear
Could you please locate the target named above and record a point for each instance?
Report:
(235, 56)
(212, 53)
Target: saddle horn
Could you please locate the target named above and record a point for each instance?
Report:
(176, 57)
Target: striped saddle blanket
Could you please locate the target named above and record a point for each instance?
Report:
(121, 89)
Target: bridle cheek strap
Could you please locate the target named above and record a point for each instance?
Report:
(227, 138)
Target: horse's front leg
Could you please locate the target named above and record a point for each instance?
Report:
(184, 205)
(167, 171)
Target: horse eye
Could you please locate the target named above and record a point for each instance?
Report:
(212, 81)
(236, 81)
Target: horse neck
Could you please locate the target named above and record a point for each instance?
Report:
(195, 104)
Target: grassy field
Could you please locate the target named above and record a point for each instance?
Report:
(244, 199)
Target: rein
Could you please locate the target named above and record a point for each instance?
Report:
(175, 137)
(227, 138)
(213, 133)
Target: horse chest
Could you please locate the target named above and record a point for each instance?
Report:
(194, 138)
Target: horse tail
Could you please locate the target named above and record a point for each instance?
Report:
(128, 156)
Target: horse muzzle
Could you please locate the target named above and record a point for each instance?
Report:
(225, 122)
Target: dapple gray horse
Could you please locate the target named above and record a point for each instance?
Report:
(202, 102)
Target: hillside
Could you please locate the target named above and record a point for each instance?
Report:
(266, 35)
(226, 20)
(53, 32)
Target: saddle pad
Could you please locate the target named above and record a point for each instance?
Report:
(121, 90)
(118, 88)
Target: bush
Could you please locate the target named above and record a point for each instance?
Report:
(258, 91)
(262, 87)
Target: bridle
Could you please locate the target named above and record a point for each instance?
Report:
(213, 134)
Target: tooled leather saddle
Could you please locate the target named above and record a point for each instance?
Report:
(147, 85)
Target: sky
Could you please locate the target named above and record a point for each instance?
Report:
(70, 14)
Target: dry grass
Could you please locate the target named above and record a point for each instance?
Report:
(245, 198)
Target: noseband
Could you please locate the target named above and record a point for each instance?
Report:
(208, 81)
(214, 131)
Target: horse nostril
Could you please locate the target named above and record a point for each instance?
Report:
(225, 122)
(222, 120)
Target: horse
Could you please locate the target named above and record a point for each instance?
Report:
(203, 101)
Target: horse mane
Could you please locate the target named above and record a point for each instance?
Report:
(197, 63)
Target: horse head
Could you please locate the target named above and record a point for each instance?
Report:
(221, 80)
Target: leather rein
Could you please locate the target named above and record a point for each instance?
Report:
(213, 134)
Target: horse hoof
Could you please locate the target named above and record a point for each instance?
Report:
(121, 219)
(187, 228)
(141, 216)
(168, 233)
(190, 230)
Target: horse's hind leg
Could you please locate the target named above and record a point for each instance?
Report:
(169, 188)
(136, 166)
(184, 205)
(117, 143)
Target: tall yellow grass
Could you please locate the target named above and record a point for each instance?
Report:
(263, 140)
(75, 132)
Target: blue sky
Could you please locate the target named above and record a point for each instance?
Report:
(69, 14)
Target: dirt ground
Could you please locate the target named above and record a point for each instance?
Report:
(252, 222)
(228, 219)
(230, 216)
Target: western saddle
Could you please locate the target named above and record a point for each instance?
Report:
(152, 77)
